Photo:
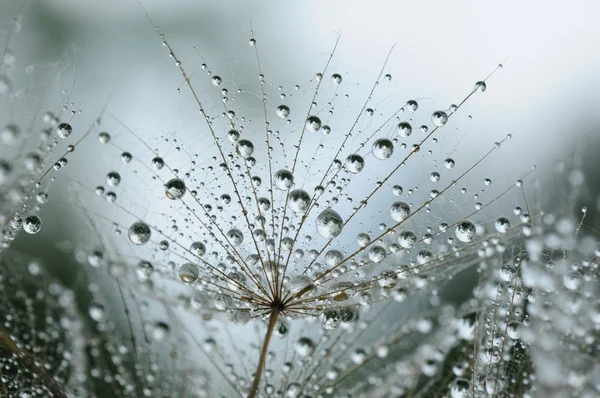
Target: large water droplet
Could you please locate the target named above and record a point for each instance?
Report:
(282, 111)
(188, 273)
(399, 211)
(299, 200)
(439, 118)
(313, 124)
(284, 179)
(64, 130)
(383, 149)
(465, 231)
(235, 236)
(139, 233)
(355, 163)
(32, 224)
(175, 189)
(329, 224)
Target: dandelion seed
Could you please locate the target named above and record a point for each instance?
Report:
(268, 227)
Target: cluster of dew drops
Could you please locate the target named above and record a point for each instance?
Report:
(33, 163)
(329, 223)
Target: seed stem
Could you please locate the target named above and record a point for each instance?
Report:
(263, 354)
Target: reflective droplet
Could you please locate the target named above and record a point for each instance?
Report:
(175, 189)
(198, 249)
(158, 163)
(284, 179)
(305, 347)
(126, 157)
(160, 331)
(404, 129)
(399, 211)
(283, 111)
(330, 319)
(502, 225)
(10, 134)
(104, 137)
(299, 200)
(355, 163)
(244, 148)
(313, 124)
(32, 224)
(139, 233)
(336, 78)
(233, 135)
(329, 224)
(383, 149)
(407, 239)
(377, 254)
(113, 178)
(388, 279)
(188, 273)
(439, 118)
(465, 231)
(480, 86)
(412, 105)
(235, 236)
(64, 130)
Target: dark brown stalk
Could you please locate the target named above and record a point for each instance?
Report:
(263, 353)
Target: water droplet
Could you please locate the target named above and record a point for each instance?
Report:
(329, 224)
(465, 231)
(313, 124)
(407, 239)
(198, 249)
(139, 233)
(355, 163)
(104, 137)
(32, 224)
(305, 347)
(283, 111)
(388, 279)
(383, 149)
(64, 130)
(175, 189)
(96, 312)
(502, 225)
(235, 236)
(10, 134)
(399, 211)
(299, 200)
(158, 163)
(480, 86)
(377, 254)
(330, 319)
(404, 129)
(126, 157)
(284, 179)
(113, 178)
(188, 273)
(439, 118)
(244, 148)
(412, 105)
(5, 85)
